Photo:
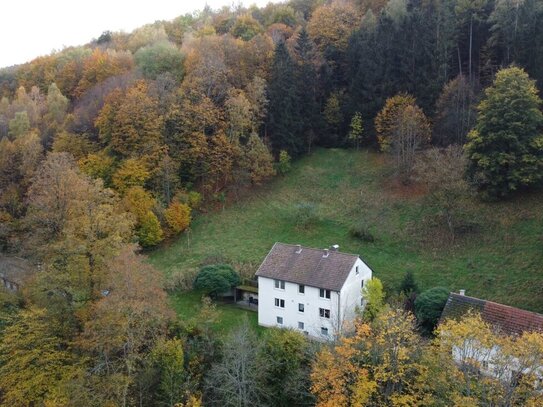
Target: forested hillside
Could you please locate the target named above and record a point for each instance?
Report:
(112, 148)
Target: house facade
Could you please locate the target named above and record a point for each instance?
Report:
(315, 291)
(505, 320)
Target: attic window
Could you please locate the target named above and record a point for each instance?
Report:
(279, 284)
(324, 293)
(356, 270)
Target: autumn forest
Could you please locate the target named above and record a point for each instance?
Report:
(112, 149)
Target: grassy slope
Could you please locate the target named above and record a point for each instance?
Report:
(502, 263)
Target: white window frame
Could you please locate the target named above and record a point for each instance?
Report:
(301, 289)
(301, 325)
(325, 294)
(279, 284)
(279, 320)
(357, 271)
(323, 312)
(324, 331)
(279, 303)
(302, 306)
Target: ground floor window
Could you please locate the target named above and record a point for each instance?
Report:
(280, 320)
(324, 331)
(300, 325)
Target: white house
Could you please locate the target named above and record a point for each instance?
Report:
(315, 291)
(505, 320)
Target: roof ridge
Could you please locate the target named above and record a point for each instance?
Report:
(317, 249)
(497, 303)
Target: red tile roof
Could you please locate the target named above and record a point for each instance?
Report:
(508, 320)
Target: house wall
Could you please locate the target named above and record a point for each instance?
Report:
(351, 292)
(342, 305)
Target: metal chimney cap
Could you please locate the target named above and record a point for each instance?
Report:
(462, 292)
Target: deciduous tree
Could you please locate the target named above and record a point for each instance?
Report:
(505, 150)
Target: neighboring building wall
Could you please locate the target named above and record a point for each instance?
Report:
(342, 306)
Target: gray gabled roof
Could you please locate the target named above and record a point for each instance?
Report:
(309, 267)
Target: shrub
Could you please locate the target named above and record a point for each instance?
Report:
(429, 305)
(361, 232)
(409, 285)
(216, 279)
(190, 198)
(181, 280)
(305, 214)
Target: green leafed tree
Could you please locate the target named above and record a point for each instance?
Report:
(429, 305)
(505, 150)
(159, 58)
(374, 296)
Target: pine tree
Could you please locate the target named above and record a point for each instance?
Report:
(284, 108)
(307, 88)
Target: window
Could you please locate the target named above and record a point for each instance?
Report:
(301, 325)
(279, 284)
(280, 320)
(356, 270)
(301, 288)
(324, 313)
(324, 331)
(362, 284)
(324, 293)
(279, 303)
(301, 307)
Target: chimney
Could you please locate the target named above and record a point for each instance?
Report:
(462, 292)
(326, 252)
(335, 247)
(298, 248)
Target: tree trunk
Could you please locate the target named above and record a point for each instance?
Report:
(470, 44)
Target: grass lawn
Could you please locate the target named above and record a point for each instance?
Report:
(187, 305)
(503, 261)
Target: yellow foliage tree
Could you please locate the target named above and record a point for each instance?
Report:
(332, 24)
(33, 362)
(132, 172)
(387, 118)
(130, 123)
(140, 203)
(178, 216)
(98, 165)
(338, 378)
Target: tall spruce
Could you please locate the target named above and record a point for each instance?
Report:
(505, 150)
(306, 79)
(284, 108)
